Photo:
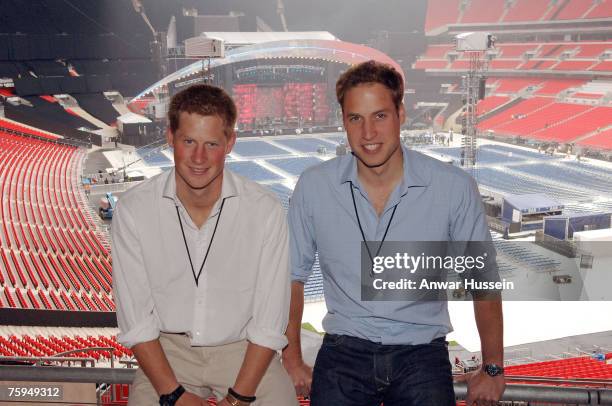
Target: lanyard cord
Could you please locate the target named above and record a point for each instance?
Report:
(361, 228)
(197, 278)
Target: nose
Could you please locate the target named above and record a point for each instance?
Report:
(200, 154)
(369, 129)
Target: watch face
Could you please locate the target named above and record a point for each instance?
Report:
(493, 370)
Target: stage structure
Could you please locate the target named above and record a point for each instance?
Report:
(474, 46)
(280, 86)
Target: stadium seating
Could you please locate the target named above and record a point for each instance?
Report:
(254, 149)
(523, 108)
(253, 171)
(514, 85)
(154, 157)
(491, 103)
(431, 64)
(483, 10)
(514, 50)
(574, 9)
(568, 129)
(602, 66)
(538, 64)
(294, 166)
(601, 140)
(505, 64)
(505, 182)
(12, 125)
(596, 181)
(442, 13)
(305, 145)
(550, 56)
(484, 155)
(592, 50)
(98, 106)
(524, 257)
(52, 254)
(25, 345)
(602, 10)
(526, 10)
(543, 118)
(573, 65)
(570, 368)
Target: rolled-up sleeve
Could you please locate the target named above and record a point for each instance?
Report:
(302, 242)
(272, 291)
(468, 218)
(135, 307)
(469, 225)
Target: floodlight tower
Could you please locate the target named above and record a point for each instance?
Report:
(474, 45)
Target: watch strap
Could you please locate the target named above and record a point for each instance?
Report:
(170, 399)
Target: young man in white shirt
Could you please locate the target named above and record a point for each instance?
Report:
(200, 270)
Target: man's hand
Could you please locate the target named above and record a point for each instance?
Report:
(191, 399)
(482, 388)
(300, 374)
(223, 402)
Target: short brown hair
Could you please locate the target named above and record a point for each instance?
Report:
(371, 72)
(205, 100)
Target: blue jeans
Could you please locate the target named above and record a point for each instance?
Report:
(350, 371)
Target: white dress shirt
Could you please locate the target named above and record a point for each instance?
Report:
(243, 291)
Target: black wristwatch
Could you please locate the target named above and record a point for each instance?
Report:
(171, 398)
(493, 369)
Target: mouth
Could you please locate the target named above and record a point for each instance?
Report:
(198, 171)
(372, 147)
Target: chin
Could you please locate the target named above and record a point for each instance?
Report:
(372, 163)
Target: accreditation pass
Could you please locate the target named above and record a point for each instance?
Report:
(16, 392)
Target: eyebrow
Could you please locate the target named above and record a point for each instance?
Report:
(373, 113)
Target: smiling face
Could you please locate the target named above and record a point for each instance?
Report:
(372, 125)
(200, 145)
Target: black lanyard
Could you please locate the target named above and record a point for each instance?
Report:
(363, 234)
(197, 277)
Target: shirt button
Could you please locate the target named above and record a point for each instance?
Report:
(197, 333)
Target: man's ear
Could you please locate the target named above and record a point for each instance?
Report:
(401, 112)
(170, 137)
(231, 141)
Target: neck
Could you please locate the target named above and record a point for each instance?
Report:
(198, 199)
(387, 175)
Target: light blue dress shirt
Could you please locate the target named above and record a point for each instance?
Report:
(435, 202)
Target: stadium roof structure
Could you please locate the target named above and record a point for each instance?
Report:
(532, 202)
(251, 38)
(326, 50)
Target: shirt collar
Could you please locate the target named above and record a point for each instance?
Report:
(414, 173)
(228, 188)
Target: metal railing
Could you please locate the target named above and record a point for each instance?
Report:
(513, 393)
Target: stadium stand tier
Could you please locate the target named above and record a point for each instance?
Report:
(97, 105)
(53, 255)
(441, 14)
(570, 368)
(25, 345)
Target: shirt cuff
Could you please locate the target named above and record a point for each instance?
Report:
(140, 333)
(299, 275)
(266, 337)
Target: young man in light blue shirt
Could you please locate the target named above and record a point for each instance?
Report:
(382, 351)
